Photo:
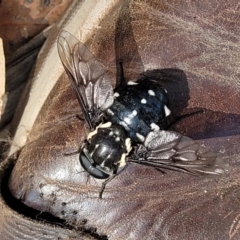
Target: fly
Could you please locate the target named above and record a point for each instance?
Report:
(125, 124)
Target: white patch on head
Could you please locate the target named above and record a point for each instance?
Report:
(132, 83)
(151, 92)
(143, 101)
(167, 111)
(128, 145)
(117, 139)
(134, 113)
(122, 161)
(165, 90)
(101, 125)
(140, 137)
(111, 133)
(110, 112)
(154, 127)
(116, 95)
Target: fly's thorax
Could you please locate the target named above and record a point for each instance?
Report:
(107, 147)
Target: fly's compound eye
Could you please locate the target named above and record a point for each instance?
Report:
(91, 167)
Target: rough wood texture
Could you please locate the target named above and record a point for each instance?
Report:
(2, 76)
(201, 39)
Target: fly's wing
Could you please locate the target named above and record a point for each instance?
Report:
(171, 150)
(90, 82)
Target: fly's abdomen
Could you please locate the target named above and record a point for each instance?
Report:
(140, 107)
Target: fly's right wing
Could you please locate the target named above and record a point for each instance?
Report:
(171, 150)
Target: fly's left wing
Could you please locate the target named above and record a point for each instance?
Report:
(90, 82)
(171, 150)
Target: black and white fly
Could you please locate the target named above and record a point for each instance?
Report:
(125, 125)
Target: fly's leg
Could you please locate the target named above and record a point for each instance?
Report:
(115, 173)
(72, 153)
(105, 183)
(78, 150)
(81, 119)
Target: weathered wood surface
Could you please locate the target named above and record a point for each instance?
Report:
(2, 76)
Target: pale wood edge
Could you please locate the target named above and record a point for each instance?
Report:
(2, 75)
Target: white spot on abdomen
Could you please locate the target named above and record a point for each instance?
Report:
(134, 113)
(167, 111)
(132, 83)
(143, 101)
(116, 95)
(127, 120)
(140, 137)
(151, 92)
(110, 112)
(154, 127)
(122, 123)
